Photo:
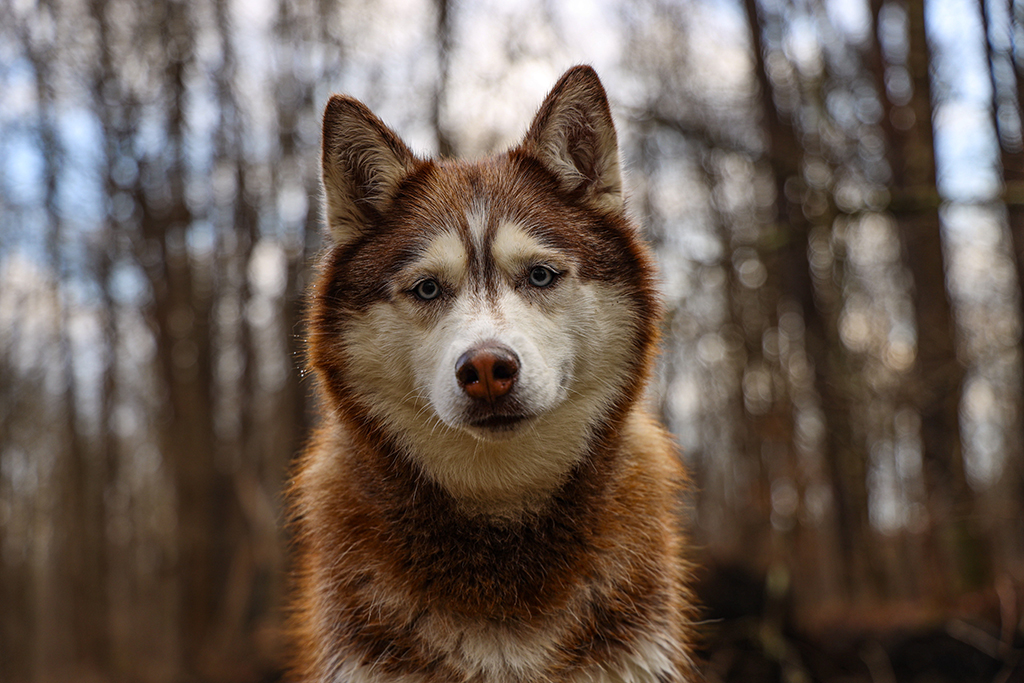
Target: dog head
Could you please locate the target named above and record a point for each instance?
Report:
(493, 318)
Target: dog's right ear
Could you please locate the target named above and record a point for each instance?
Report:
(362, 164)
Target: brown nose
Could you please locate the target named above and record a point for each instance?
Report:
(487, 372)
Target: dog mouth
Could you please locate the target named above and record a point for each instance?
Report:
(499, 423)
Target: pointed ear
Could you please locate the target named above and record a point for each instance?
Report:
(362, 164)
(574, 137)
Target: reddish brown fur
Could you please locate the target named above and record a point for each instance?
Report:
(382, 552)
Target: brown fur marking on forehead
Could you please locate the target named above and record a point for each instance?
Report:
(356, 274)
(514, 187)
(605, 245)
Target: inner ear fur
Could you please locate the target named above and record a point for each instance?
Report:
(573, 136)
(363, 162)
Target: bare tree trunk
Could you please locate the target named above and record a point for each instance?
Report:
(181, 313)
(444, 47)
(1011, 155)
(106, 456)
(844, 458)
(76, 643)
(772, 428)
(938, 373)
(16, 618)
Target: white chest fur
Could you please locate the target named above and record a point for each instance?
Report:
(486, 657)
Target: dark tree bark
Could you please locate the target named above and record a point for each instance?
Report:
(938, 373)
(845, 458)
(1011, 157)
(444, 48)
(183, 290)
(76, 599)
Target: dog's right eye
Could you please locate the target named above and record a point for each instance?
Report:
(542, 276)
(426, 290)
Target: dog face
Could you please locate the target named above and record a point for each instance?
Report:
(491, 317)
(502, 350)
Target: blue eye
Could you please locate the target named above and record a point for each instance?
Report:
(428, 289)
(542, 276)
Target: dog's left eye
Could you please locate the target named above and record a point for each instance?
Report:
(542, 276)
(428, 289)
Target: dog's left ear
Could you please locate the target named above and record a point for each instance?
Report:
(574, 137)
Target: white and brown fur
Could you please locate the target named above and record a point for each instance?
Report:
(511, 525)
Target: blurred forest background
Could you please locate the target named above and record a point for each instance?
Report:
(836, 192)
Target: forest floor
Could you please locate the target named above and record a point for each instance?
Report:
(747, 638)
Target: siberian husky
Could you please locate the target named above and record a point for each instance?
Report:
(486, 498)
